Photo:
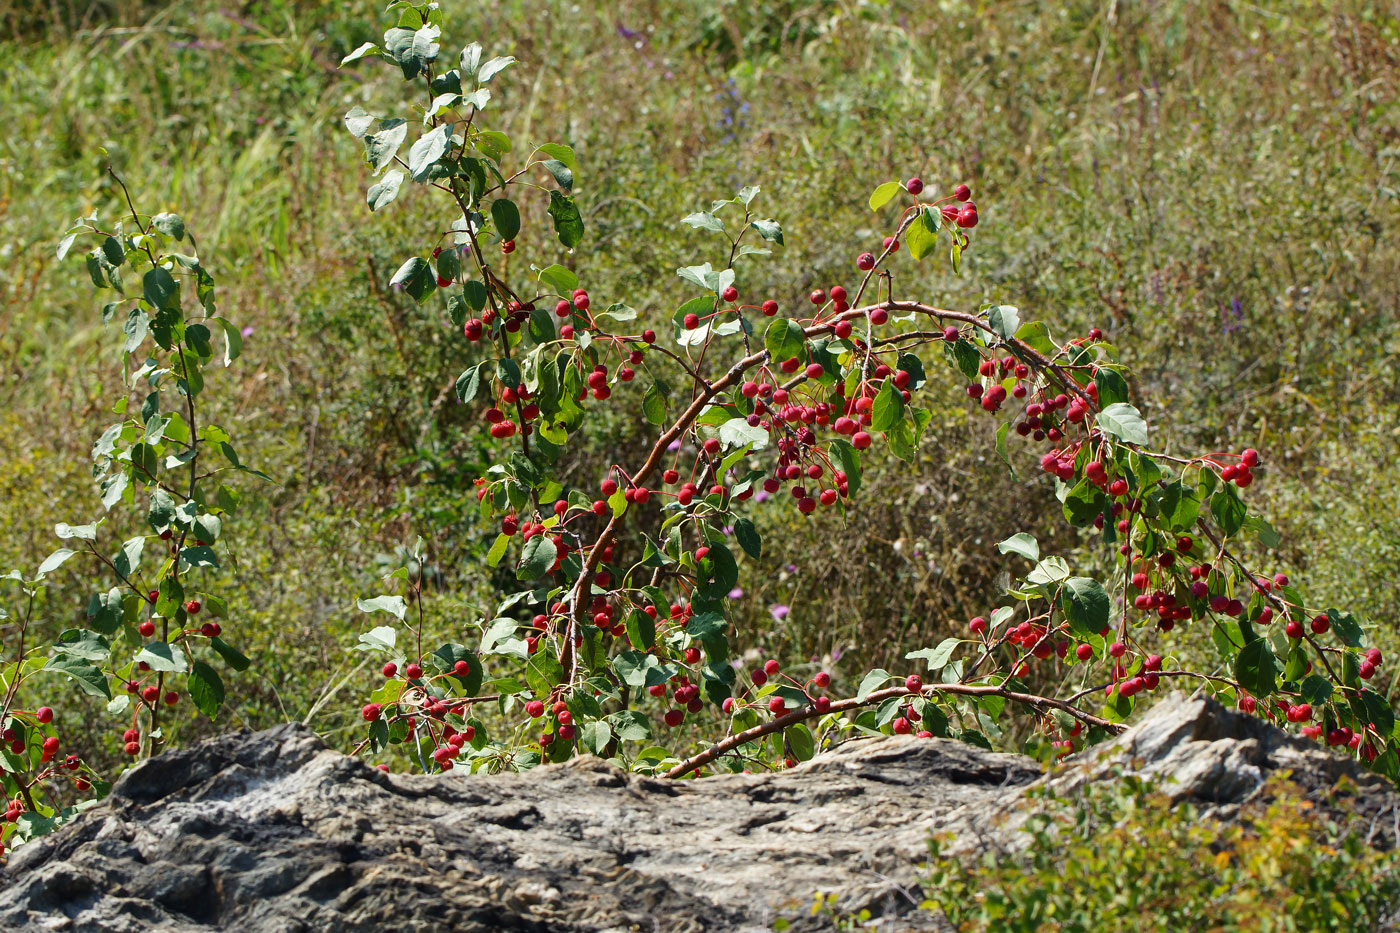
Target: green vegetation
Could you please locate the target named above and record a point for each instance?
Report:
(1212, 183)
(1122, 858)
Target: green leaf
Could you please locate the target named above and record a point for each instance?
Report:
(1084, 502)
(1123, 421)
(1179, 506)
(169, 224)
(539, 555)
(206, 689)
(415, 277)
(704, 220)
(800, 741)
(358, 120)
(470, 60)
(385, 190)
(637, 669)
(55, 560)
(1085, 604)
(1050, 570)
(785, 340)
(1379, 711)
(883, 194)
(506, 217)
(641, 630)
(445, 659)
(1023, 544)
(561, 153)
(1111, 385)
(394, 605)
(475, 294)
(1346, 626)
(568, 223)
(630, 725)
(654, 404)
(562, 175)
(381, 147)
(494, 67)
(1266, 533)
(469, 383)
(921, 236)
(231, 655)
(748, 537)
(493, 143)
(85, 674)
(508, 371)
(199, 556)
(1256, 669)
(723, 573)
(355, 56)
(233, 340)
(888, 409)
(871, 682)
(737, 432)
(1117, 708)
(424, 154)
(1004, 319)
(379, 638)
(82, 532)
(412, 49)
(937, 657)
(967, 358)
(159, 289)
(1228, 509)
(848, 459)
(702, 276)
(82, 643)
(559, 278)
(770, 230)
(163, 657)
(1037, 336)
(596, 735)
(707, 626)
(65, 244)
(1315, 690)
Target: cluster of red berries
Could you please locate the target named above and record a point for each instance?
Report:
(692, 321)
(447, 739)
(1035, 639)
(684, 694)
(908, 714)
(210, 629)
(778, 705)
(1242, 473)
(515, 317)
(451, 742)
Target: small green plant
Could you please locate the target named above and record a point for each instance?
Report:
(1121, 857)
(150, 641)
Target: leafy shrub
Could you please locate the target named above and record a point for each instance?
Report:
(1051, 249)
(1121, 857)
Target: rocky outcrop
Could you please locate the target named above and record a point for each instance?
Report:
(273, 831)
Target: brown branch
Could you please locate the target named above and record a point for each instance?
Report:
(879, 696)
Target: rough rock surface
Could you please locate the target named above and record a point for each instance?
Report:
(273, 831)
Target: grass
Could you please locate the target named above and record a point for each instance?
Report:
(1214, 183)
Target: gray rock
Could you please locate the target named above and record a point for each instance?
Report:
(273, 831)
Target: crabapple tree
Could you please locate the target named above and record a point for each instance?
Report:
(618, 636)
(618, 639)
(151, 641)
